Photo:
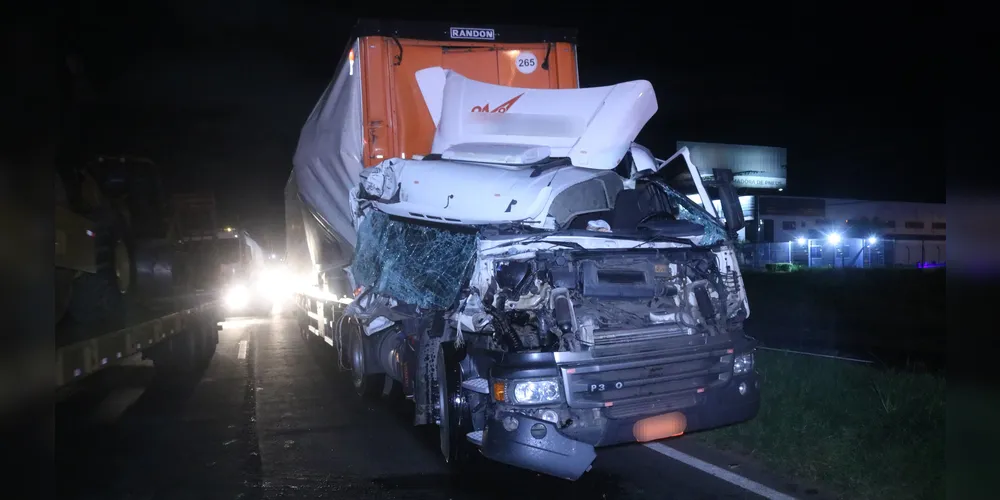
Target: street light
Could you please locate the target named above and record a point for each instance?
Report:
(872, 240)
(833, 238)
(801, 240)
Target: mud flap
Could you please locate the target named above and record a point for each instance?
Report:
(424, 381)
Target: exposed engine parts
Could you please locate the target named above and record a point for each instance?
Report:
(567, 299)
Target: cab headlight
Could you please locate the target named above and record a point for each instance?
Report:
(531, 392)
(743, 363)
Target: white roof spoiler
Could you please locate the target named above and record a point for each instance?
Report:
(594, 127)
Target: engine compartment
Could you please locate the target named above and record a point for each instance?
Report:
(573, 300)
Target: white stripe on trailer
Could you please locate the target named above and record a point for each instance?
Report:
(242, 354)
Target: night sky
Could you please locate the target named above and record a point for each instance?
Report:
(216, 92)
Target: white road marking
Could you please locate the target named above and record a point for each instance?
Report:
(243, 350)
(719, 472)
(817, 355)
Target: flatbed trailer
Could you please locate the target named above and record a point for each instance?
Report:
(177, 334)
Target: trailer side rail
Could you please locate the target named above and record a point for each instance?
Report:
(80, 359)
(320, 312)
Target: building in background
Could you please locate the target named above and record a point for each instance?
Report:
(755, 168)
(826, 232)
(846, 233)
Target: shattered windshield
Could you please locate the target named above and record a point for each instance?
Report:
(693, 212)
(414, 263)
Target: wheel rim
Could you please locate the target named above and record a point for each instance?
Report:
(123, 271)
(357, 361)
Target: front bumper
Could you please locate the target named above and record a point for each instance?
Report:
(536, 445)
(718, 408)
(543, 447)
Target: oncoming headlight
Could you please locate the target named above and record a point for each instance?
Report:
(743, 363)
(274, 285)
(237, 296)
(528, 392)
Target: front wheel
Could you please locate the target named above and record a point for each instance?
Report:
(454, 417)
(364, 385)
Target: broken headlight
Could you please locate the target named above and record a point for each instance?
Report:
(743, 363)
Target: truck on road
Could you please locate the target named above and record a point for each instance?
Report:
(119, 252)
(252, 283)
(472, 229)
(126, 283)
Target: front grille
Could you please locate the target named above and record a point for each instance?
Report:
(646, 386)
(653, 338)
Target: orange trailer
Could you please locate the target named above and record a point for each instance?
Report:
(396, 121)
(373, 110)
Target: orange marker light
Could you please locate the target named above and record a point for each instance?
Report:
(499, 391)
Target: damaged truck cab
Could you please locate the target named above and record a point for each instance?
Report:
(536, 282)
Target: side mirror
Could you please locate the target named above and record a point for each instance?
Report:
(729, 200)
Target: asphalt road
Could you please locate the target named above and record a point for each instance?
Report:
(271, 417)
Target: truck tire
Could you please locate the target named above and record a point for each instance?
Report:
(454, 418)
(175, 360)
(366, 386)
(204, 344)
(101, 295)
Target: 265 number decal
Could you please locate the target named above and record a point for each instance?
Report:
(526, 63)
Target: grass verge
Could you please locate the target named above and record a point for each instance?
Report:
(861, 432)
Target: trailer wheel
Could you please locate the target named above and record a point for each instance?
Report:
(454, 417)
(206, 342)
(176, 360)
(364, 385)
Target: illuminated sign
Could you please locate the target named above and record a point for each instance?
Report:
(753, 167)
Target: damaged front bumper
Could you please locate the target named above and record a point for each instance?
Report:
(649, 388)
(536, 445)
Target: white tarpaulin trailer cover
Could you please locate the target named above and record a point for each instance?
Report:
(329, 156)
